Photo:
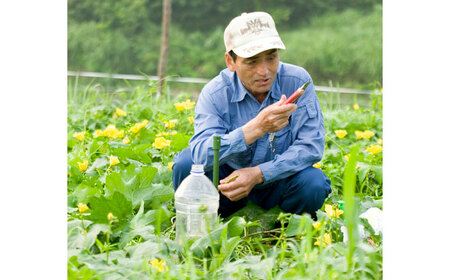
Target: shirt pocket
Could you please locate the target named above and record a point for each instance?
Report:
(302, 114)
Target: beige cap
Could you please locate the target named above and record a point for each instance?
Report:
(252, 33)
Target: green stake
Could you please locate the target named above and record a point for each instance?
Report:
(216, 148)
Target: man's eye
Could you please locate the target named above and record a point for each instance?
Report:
(251, 62)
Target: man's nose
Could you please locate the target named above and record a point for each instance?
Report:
(262, 69)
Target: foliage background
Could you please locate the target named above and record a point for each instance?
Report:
(338, 41)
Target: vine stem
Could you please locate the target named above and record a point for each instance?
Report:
(264, 232)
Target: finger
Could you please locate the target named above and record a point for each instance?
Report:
(282, 99)
(235, 195)
(227, 187)
(284, 109)
(223, 188)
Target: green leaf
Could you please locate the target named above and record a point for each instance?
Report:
(117, 204)
(142, 151)
(180, 141)
(126, 153)
(350, 214)
(253, 266)
(84, 192)
(298, 224)
(226, 250)
(145, 232)
(253, 212)
(79, 238)
(144, 224)
(99, 163)
(159, 194)
(93, 147)
(233, 227)
(134, 183)
(153, 248)
(150, 218)
(378, 170)
(362, 171)
(75, 270)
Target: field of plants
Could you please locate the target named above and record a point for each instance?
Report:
(120, 213)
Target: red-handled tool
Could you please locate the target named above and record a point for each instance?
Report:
(296, 95)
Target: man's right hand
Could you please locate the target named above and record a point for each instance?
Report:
(271, 119)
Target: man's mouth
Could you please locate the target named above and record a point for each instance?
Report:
(263, 82)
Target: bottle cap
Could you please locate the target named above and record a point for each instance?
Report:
(197, 168)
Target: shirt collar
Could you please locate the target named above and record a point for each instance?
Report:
(241, 91)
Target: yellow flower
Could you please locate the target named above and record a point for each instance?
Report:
(191, 119)
(120, 112)
(159, 264)
(188, 105)
(126, 140)
(82, 207)
(170, 164)
(79, 135)
(170, 124)
(359, 134)
(340, 133)
(113, 160)
(316, 225)
(317, 165)
(161, 143)
(179, 106)
(355, 107)
(162, 134)
(113, 132)
(333, 213)
(117, 134)
(381, 90)
(165, 133)
(83, 165)
(135, 128)
(374, 149)
(99, 132)
(110, 216)
(326, 240)
(380, 141)
(110, 131)
(347, 157)
(367, 134)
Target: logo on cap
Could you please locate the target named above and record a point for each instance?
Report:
(254, 26)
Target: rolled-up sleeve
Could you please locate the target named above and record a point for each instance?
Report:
(209, 121)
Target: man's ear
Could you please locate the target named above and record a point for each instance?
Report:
(230, 63)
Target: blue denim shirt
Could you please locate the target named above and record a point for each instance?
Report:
(224, 106)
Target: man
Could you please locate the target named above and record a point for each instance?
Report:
(269, 145)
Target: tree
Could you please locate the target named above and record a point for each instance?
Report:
(164, 51)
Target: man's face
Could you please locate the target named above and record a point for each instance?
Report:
(256, 73)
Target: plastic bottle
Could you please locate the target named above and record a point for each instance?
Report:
(196, 204)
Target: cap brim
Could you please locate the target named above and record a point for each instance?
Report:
(256, 47)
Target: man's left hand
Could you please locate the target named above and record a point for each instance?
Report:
(243, 184)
